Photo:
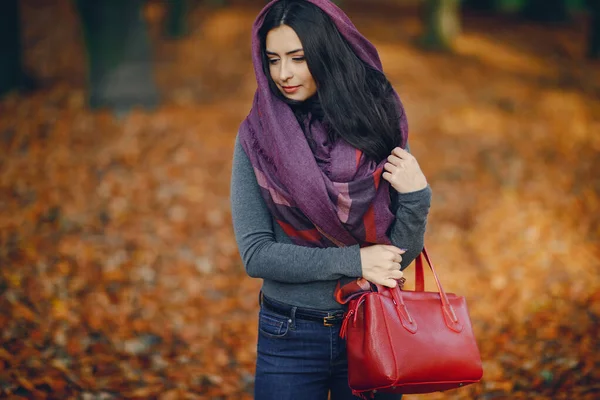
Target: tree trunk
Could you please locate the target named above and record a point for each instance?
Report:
(119, 55)
(442, 24)
(483, 5)
(10, 46)
(176, 20)
(546, 11)
(594, 30)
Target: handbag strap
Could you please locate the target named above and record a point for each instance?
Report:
(343, 294)
(450, 316)
(419, 278)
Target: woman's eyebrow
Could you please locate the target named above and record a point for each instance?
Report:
(272, 53)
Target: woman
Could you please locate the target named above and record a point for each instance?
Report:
(308, 203)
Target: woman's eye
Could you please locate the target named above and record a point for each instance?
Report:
(273, 60)
(298, 59)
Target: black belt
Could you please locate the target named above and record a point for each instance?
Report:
(328, 318)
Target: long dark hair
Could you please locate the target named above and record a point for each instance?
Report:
(353, 99)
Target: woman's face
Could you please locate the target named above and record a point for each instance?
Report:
(287, 65)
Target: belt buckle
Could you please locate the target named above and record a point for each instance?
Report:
(327, 320)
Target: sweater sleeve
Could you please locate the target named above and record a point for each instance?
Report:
(408, 230)
(263, 256)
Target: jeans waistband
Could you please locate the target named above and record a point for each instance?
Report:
(328, 318)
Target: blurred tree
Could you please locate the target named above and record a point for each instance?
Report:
(546, 10)
(535, 7)
(442, 24)
(119, 56)
(176, 20)
(593, 50)
(486, 5)
(10, 46)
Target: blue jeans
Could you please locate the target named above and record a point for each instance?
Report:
(301, 359)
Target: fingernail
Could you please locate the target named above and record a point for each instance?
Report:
(404, 250)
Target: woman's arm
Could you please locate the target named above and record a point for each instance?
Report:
(408, 230)
(262, 255)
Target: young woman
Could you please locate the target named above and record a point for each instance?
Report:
(322, 191)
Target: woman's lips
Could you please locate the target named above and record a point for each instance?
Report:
(290, 89)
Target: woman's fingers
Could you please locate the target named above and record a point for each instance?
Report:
(392, 159)
(391, 283)
(402, 171)
(395, 261)
(401, 153)
(389, 167)
(393, 249)
(381, 264)
(397, 274)
(397, 255)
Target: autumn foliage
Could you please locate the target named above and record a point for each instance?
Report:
(120, 276)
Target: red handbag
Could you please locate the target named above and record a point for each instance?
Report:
(402, 341)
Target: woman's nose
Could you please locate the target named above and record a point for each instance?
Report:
(285, 73)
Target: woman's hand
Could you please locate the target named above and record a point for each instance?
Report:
(403, 172)
(381, 264)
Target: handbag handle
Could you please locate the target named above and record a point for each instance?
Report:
(343, 294)
(449, 315)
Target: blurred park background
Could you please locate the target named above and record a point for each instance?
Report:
(120, 276)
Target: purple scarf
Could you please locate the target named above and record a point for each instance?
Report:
(331, 195)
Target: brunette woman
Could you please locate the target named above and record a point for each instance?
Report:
(323, 191)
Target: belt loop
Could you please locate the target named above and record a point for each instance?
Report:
(292, 320)
(260, 298)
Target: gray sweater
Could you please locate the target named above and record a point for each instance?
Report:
(306, 276)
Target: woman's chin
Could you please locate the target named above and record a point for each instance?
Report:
(294, 96)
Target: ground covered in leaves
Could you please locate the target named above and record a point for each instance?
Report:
(120, 276)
